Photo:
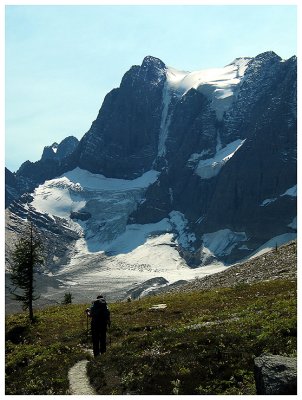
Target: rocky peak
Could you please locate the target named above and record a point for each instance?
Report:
(152, 70)
(59, 151)
(49, 152)
(263, 65)
(151, 62)
(267, 57)
(265, 60)
(66, 147)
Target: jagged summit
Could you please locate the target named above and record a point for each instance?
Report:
(150, 72)
(268, 56)
(61, 150)
(49, 152)
(153, 62)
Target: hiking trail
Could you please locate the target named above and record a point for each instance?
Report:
(78, 380)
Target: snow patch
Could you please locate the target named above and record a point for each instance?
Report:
(98, 182)
(210, 167)
(222, 242)
(268, 201)
(180, 224)
(291, 192)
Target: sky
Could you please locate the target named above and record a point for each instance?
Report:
(60, 61)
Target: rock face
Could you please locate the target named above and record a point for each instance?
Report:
(11, 187)
(122, 141)
(233, 173)
(275, 375)
(224, 142)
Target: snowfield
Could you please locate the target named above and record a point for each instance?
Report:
(218, 84)
(111, 256)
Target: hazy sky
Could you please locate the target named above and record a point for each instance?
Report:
(62, 60)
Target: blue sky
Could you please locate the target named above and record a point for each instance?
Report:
(60, 61)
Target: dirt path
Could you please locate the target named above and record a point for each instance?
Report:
(78, 380)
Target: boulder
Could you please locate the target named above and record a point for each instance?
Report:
(275, 374)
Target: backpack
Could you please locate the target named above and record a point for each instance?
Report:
(99, 312)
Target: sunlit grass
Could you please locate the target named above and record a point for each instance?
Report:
(203, 343)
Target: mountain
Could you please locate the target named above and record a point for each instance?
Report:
(179, 169)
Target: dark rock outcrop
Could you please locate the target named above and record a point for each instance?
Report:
(122, 141)
(275, 375)
(81, 215)
(59, 151)
(11, 187)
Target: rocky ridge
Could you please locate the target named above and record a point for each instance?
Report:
(280, 263)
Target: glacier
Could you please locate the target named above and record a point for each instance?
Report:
(111, 254)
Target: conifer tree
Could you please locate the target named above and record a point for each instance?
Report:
(26, 257)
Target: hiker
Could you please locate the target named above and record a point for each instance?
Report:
(100, 318)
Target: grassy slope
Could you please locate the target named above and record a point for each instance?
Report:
(204, 342)
(38, 356)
